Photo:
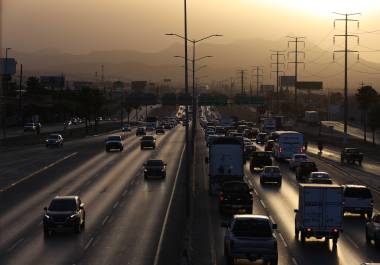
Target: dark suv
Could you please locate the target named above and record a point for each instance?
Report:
(148, 141)
(64, 212)
(155, 168)
(304, 169)
(235, 197)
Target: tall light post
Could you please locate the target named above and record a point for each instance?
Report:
(4, 95)
(194, 42)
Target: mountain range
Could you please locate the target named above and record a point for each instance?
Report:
(226, 61)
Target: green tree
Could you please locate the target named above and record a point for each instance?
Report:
(374, 120)
(91, 103)
(366, 98)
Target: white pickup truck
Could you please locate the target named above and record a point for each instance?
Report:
(320, 212)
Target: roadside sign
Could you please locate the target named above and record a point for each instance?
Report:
(310, 85)
(287, 81)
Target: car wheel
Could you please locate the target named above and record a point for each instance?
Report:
(274, 261)
(303, 237)
(141, 148)
(367, 237)
(335, 240)
(121, 149)
(46, 232)
(77, 228)
(377, 241)
(280, 183)
(83, 224)
(296, 233)
(369, 215)
(261, 182)
(107, 150)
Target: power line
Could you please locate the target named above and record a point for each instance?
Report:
(259, 74)
(346, 19)
(277, 54)
(296, 41)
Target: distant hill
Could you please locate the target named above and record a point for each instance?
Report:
(227, 59)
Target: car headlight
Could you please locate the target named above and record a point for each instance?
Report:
(73, 216)
(145, 170)
(47, 216)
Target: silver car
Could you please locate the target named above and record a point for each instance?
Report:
(372, 230)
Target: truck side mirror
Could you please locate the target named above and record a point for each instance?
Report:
(296, 210)
(206, 160)
(45, 208)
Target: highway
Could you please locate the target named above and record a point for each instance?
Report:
(279, 203)
(124, 213)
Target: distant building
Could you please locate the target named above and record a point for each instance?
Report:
(139, 86)
(9, 67)
(53, 82)
(77, 85)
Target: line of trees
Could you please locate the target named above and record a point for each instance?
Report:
(369, 103)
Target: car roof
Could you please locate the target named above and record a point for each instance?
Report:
(250, 216)
(155, 160)
(319, 173)
(271, 167)
(355, 186)
(67, 197)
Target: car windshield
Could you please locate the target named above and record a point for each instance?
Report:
(357, 193)
(321, 181)
(114, 138)
(63, 205)
(53, 137)
(149, 138)
(261, 154)
(235, 187)
(308, 165)
(155, 163)
(272, 170)
(140, 129)
(252, 228)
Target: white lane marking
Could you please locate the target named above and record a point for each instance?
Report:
(124, 193)
(255, 191)
(294, 261)
(38, 172)
(159, 246)
(351, 241)
(283, 240)
(15, 245)
(105, 220)
(89, 243)
(263, 204)
(116, 204)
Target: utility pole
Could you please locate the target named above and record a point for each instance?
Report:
(242, 73)
(346, 19)
(5, 78)
(102, 79)
(296, 62)
(259, 74)
(20, 97)
(277, 55)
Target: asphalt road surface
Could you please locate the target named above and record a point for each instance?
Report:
(124, 213)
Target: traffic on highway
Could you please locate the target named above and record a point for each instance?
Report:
(219, 132)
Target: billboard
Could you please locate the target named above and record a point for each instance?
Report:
(287, 81)
(310, 85)
(9, 67)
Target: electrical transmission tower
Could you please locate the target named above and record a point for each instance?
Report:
(296, 62)
(277, 55)
(242, 73)
(259, 74)
(346, 19)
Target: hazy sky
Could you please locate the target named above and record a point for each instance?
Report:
(85, 25)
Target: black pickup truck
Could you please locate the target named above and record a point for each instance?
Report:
(304, 169)
(351, 155)
(235, 197)
(260, 159)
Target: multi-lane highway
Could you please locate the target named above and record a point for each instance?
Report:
(124, 213)
(279, 203)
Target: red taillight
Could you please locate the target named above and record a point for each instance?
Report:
(308, 229)
(334, 230)
(372, 203)
(221, 198)
(280, 149)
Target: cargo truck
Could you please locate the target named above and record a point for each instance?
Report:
(320, 212)
(225, 161)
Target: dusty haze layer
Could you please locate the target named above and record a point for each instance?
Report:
(88, 25)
